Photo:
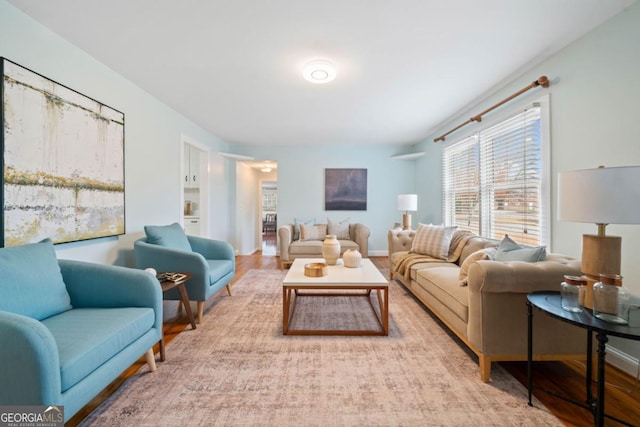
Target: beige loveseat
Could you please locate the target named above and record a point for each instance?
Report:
(291, 249)
(489, 315)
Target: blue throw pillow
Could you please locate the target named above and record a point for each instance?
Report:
(171, 236)
(508, 250)
(31, 282)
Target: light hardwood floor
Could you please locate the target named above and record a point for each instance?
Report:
(568, 379)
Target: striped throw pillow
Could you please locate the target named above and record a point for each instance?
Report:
(313, 232)
(433, 240)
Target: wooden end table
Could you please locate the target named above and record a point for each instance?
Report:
(176, 282)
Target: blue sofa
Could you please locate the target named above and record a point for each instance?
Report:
(69, 328)
(167, 248)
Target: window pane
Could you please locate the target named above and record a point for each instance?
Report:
(492, 180)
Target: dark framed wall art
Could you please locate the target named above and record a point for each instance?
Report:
(345, 189)
(62, 162)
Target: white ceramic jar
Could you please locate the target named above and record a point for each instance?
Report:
(352, 258)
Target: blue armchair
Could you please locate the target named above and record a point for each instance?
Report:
(69, 328)
(168, 249)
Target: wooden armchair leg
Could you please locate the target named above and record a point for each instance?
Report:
(151, 359)
(200, 311)
(229, 290)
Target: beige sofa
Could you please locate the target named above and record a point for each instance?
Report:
(291, 249)
(489, 315)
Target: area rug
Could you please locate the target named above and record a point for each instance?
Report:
(238, 369)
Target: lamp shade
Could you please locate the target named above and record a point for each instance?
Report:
(407, 202)
(600, 196)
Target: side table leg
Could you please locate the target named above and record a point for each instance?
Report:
(187, 304)
(162, 354)
(589, 373)
(529, 350)
(602, 343)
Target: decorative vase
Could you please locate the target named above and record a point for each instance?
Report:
(331, 249)
(611, 300)
(352, 258)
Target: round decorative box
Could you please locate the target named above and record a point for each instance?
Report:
(352, 258)
(331, 249)
(316, 269)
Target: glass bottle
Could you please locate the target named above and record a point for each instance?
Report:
(570, 291)
(611, 299)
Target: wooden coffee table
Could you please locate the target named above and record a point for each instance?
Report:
(177, 282)
(339, 282)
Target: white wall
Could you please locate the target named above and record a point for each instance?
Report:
(152, 137)
(301, 184)
(594, 92)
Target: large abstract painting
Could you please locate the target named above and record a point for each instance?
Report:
(62, 162)
(345, 190)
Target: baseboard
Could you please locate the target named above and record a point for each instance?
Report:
(622, 361)
(378, 253)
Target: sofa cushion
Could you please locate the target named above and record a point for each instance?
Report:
(433, 240)
(31, 283)
(296, 226)
(171, 236)
(339, 228)
(417, 265)
(486, 253)
(88, 337)
(512, 251)
(313, 248)
(442, 283)
(313, 232)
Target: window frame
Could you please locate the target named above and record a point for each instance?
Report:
(543, 102)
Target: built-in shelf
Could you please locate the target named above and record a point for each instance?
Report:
(236, 156)
(409, 156)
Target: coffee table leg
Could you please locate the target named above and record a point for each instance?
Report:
(385, 311)
(286, 293)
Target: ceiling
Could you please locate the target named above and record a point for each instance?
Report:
(403, 67)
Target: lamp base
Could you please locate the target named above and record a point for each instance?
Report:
(406, 221)
(600, 254)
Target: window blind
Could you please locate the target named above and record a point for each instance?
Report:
(493, 180)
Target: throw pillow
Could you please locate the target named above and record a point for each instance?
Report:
(296, 226)
(32, 283)
(508, 250)
(313, 232)
(458, 241)
(171, 236)
(339, 228)
(433, 240)
(487, 253)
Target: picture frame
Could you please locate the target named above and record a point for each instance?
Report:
(345, 190)
(62, 162)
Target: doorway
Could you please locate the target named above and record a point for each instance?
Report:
(269, 215)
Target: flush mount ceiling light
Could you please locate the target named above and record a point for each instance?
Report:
(319, 71)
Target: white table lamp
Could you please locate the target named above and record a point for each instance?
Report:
(601, 196)
(406, 203)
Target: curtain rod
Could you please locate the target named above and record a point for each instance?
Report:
(542, 81)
